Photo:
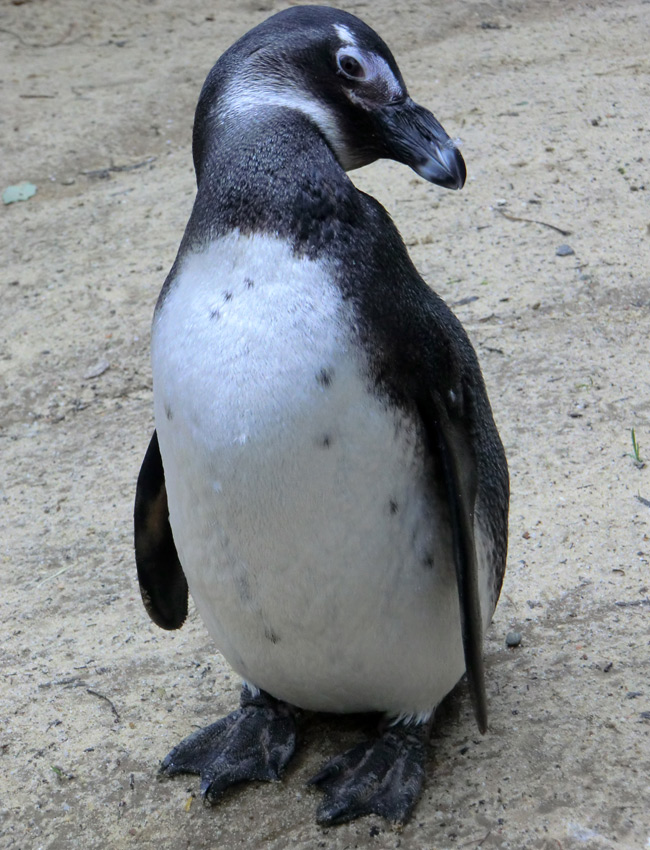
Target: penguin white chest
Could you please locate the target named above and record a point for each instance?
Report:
(298, 497)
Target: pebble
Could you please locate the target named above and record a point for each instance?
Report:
(564, 251)
(20, 192)
(513, 638)
(97, 370)
(468, 300)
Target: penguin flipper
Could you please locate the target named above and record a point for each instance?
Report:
(447, 424)
(162, 582)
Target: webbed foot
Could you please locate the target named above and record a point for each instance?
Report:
(384, 777)
(253, 743)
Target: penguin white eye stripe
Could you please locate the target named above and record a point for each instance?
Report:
(382, 69)
(372, 63)
(241, 99)
(374, 67)
(345, 35)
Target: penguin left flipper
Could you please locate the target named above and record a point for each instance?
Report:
(255, 742)
(437, 378)
(447, 425)
(162, 582)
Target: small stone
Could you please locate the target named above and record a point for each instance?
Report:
(564, 251)
(97, 370)
(19, 192)
(513, 638)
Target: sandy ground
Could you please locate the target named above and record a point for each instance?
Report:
(552, 103)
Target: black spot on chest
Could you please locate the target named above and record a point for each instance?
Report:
(325, 377)
(244, 589)
(271, 635)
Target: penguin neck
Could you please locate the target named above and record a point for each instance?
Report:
(270, 172)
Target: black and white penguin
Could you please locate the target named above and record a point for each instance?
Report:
(325, 476)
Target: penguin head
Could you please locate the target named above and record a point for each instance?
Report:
(333, 68)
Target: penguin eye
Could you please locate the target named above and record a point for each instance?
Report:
(350, 66)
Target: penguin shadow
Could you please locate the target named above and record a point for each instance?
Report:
(322, 736)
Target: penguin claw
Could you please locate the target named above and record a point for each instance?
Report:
(383, 777)
(253, 743)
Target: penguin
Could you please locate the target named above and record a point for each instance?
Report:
(325, 477)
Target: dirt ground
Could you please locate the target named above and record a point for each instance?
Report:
(552, 104)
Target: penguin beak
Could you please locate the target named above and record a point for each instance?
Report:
(412, 135)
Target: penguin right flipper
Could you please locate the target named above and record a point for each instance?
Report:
(162, 582)
(448, 427)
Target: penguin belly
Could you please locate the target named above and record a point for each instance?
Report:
(314, 545)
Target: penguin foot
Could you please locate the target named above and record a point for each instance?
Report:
(382, 777)
(253, 743)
